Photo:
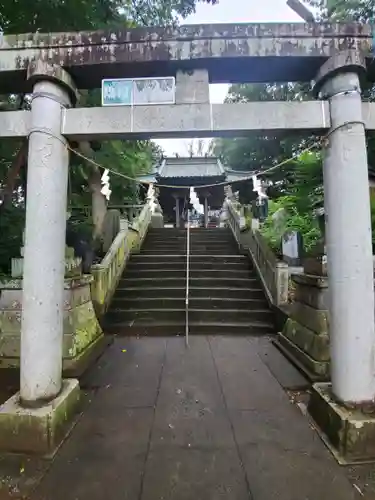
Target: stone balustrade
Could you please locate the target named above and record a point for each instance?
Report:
(86, 299)
(81, 329)
(273, 273)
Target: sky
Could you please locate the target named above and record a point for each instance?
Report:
(230, 11)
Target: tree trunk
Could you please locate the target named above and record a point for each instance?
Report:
(99, 202)
(13, 173)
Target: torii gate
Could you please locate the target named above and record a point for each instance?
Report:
(54, 66)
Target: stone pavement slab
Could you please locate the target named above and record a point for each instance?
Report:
(190, 411)
(128, 374)
(105, 456)
(208, 422)
(277, 474)
(174, 473)
(285, 373)
(246, 381)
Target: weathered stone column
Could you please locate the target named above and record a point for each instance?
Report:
(348, 233)
(36, 419)
(205, 212)
(43, 281)
(177, 210)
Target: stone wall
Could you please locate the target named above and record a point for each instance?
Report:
(86, 299)
(81, 328)
(306, 332)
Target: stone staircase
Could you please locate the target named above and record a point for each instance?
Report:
(225, 294)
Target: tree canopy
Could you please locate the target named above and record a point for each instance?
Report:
(127, 157)
(298, 184)
(23, 16)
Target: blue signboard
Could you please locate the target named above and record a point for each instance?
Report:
(138, 91)
(117, 92)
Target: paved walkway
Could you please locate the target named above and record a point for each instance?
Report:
(208, 423)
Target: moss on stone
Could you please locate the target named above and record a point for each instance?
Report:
(83, 336)
(105, 283)
(315, 345)
(313, 319)
(320, 369)
(350, 432)
(41, 429)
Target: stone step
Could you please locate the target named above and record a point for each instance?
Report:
(182, 246)
(196, 230)
(210, 315)
(201, 292)
(194, 282)
(144, 328)
(193, 243)
(178, 302)
(180, 264)
(163, 272)
(193, 237)
(171, 251)
(215, 259)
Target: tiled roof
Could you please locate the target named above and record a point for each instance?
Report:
(147, 178)
(172, 168)
(236, 176)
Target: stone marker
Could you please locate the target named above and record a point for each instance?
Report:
(291, 245)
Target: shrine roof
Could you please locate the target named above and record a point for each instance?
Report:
(193, 168)
(186, 167)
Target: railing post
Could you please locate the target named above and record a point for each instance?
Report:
(281, 283)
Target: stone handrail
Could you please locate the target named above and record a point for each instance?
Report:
(234, 219)
(108, 273)
(273, 273)
(129, 212)
(142, 222)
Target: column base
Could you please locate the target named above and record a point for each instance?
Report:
(349, 434)
(315, 371)
(38, 430)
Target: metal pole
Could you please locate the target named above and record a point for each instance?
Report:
(349, 245)
(44, 264)
(187, 279)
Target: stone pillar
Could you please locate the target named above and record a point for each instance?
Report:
(205, 212)
(192, 87)
(177, 212)
(43, 282)
(348, 233)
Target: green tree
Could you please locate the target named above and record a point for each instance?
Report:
(344, 10)
(128, 157)
(302, 197)
(260, 151)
